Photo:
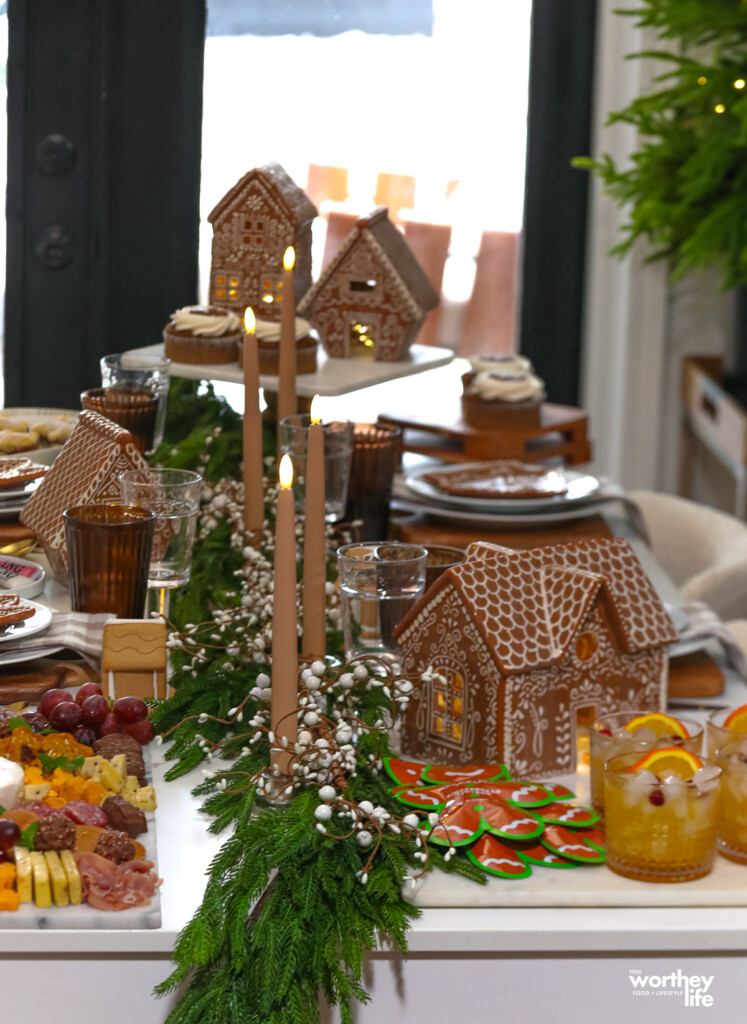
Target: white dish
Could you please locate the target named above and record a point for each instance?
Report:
(16, 657)
(11, 510)
(452, 515)
(28, 627)
(43, 456)
(20, 492)
(582, 487)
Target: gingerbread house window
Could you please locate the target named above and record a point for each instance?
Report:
(254, 231)
(226, 286)
(272, 290)
(448, 706)
(586, 645)
(362, 338)
(363, 286)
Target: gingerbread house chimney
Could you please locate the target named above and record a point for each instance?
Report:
(372, 297)
(528, 643)
(253, 225)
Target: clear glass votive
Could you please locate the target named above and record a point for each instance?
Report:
(174, 497)
(338, 449)
(608, 737)
(717, 734)
(660, 830)
(108, 552)
(135, 409)
(133, 370)
(732, 814)
(380, 581)
(377, 450)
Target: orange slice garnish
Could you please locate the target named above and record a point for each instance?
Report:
(669, 760)
(737, 720)
(659, 723)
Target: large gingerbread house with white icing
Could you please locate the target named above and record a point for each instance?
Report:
(372, 297)
(253, 225)
(524, 645)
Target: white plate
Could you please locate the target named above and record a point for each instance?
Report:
(20, 492)
(44, 456)
(16, 657)
(11, 510)
(582, 487)
(452, 515)
(28, 627)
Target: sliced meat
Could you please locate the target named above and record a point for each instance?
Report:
(83, 813)
(110, 886)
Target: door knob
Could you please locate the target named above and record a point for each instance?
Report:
(54, 247)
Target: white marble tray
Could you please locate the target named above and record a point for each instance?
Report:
(333, 376)
(29, 916)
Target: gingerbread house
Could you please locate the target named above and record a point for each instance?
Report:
(525, 645)
(86, 472)
(253, 225)
(373, 296)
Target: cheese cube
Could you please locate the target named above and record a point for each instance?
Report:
(73, 876)
(144, 799)
(42, 888)
(119, 761)
(37, 792)
(23, 874)
(57, 877)
(131, 785)
(108, 776)
(90, 764)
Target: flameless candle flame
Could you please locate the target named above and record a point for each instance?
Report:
(286, 472)
(289, 258)
(316, 416)
(250, 320)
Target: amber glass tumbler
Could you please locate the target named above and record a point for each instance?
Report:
(377, 450)
(135, 409)
(108, 551)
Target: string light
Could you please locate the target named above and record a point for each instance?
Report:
(739, 84)
(719, 108)
(702, 80)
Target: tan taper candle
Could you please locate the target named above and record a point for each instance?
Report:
(284, 704)
(314, 544)
(287, 352)
(254, 500)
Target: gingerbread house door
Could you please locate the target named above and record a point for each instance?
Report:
(364, 330)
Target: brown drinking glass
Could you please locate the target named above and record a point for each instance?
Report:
(440, 558)
(108, 551)
(135, 409)
(377, 450)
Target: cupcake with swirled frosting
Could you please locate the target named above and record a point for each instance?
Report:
(205, 335)
(267, 333)
(505, 396)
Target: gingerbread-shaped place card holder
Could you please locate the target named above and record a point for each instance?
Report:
(133, 661)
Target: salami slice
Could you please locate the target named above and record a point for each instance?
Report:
(83, 813)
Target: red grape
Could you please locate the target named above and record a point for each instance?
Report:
(130, 710)
(110, 725)
(88, 690)
(86, 735)
(95, 709)
(35, 720)
(66, 716)
(51, 699)
(10, 833)
(143, 732)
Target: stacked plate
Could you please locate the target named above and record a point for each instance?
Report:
(483, 507)
(15, 493)
(11, 652)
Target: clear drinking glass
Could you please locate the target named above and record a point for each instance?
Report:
(660, 831)
(732, 814)
(131, 370)
(174, 496)
(338, 449)
(608, 737)
(717, 734)
(380, 581)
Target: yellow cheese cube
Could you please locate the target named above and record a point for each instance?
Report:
(73, 876)
(90, 765)
(57, 877)
(108, 776)
(23, 874)
(144, 799)
(131, 785)
(42, 888)
(38, 792)
(119, 761)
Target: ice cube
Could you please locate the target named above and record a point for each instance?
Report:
(673, 786)
(646, 777)
(645, 735)
(708, 773)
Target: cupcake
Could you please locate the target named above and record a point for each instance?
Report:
(501, 399)
(501, 364)
(268, 345)
(202, 334)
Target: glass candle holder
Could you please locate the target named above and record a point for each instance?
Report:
(660, 831)
(379, 584)
(135, 409)
(338, 449)
(732, 815)
(149, 373)
(108, 552)
(717, 735)
(608, 737)
(377, 450)
(440, 558)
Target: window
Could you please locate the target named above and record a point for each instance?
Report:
(361, 337)
(362, 286)
(272, 290)
(227, 286)
(448, 705)
(254, 231)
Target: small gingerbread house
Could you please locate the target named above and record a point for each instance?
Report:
(373, 296)
(253, 225)
(86, 472)
(525, 645)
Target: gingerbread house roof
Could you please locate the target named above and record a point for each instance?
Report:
(298, 205)
(394, 252)
(529, 605)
